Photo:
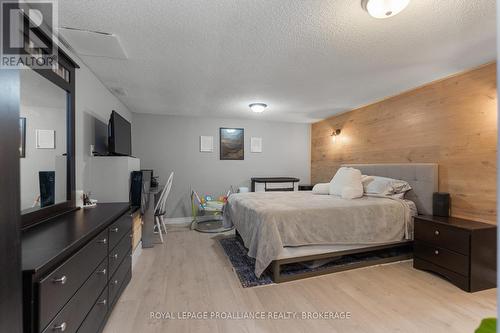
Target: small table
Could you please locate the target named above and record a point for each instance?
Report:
(274, 180)
(463, 251)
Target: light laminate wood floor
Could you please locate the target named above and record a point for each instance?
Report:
(191, 273)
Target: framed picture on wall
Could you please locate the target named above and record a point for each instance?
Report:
(22, 141)
(255, 144)
(206, 144)
(232, 144)
(45, 139)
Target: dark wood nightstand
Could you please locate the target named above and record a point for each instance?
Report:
(305, 187)
(463, 251)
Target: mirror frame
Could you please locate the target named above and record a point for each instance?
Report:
(38, 216)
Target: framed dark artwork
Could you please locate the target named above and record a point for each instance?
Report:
(22, 133)
(232, 143)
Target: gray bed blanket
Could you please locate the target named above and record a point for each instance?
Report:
(269, 221)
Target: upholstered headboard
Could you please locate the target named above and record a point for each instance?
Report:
(423, 178)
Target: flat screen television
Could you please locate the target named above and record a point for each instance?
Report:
(119, 136)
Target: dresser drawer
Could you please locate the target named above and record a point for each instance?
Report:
(446, 237)
(119, 252)
(453, 261)
(73, 313)
(118, 229)
(59, 286)
(96, 316)
(122, 275)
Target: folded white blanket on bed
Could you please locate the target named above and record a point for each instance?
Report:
(268, 221)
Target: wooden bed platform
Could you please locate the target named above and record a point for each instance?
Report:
(277, 265)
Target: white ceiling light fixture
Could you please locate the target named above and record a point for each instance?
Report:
(384, 8)
(258, 107)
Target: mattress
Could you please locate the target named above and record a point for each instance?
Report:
(268, 222)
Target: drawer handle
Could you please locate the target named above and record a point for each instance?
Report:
(436, 232)
(113, 229)
(103, 272)
(115, 282)
(61, 327)
(103, 241)
(61, 280)
(103, 302)
(436, 252)
(114, 256)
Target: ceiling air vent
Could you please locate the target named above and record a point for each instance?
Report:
(118, 91)
(93, 43)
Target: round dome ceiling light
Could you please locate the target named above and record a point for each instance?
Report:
(384, 8)
(257, 107)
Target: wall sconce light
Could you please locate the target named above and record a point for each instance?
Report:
(335, 133)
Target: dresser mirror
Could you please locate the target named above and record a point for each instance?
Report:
(47, 140)
(43, 142)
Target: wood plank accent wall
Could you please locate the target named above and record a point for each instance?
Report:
(452, 122)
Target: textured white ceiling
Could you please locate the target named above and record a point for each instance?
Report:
(308, 59)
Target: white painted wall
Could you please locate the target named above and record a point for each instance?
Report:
(110, 177)
(172, 143)
(93, 100)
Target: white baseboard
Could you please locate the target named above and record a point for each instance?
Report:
(179, 221)
(185, 221)
(136, 254)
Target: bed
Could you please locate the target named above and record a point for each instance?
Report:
(280, 228)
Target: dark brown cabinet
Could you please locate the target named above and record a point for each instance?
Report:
(55, 289)
(462, 251)
(75, 268)
(10, 220)
(95, 318)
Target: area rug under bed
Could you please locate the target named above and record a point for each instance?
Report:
(244, 266)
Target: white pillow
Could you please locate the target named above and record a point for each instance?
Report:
(347, 183)
(352, 192)
(321, 188)
(385, 186)
(366, 179)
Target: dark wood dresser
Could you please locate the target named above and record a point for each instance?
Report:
(75, 268)
(463, 251)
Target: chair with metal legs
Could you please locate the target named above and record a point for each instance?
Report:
(160, 208)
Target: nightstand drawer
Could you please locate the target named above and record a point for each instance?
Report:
(453, 261)
(459, 280)
(454, 239)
